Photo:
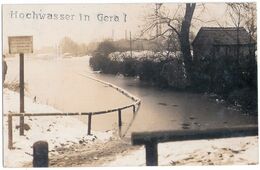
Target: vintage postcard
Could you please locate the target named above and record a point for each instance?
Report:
(129, 84)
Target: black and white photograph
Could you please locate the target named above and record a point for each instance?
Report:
(129, 84)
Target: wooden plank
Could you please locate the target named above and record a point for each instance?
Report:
(140, 138)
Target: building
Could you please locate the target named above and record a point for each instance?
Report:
(215, 42)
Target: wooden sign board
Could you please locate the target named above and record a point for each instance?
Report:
(20, 44)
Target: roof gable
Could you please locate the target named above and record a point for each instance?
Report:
(223, 36)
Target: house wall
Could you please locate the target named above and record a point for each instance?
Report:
(202, 50)
(231, 50)
(205, 49)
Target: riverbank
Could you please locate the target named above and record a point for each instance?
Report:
(235, 83)
(58, 131)
(76, 149)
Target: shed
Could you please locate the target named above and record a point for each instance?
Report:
(223, 41)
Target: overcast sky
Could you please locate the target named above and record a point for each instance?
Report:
(49, 32)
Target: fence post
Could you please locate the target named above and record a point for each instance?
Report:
(40, 154)
(10, 132)
(151, 150)
(89, 123)
(119, 118)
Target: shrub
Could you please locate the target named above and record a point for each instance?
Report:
(15, 86)
(174, 73)
(129, 67)
(232, 79)
(100, 60)
(246, 98)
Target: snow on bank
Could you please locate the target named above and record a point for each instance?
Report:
(56, 130)
(143, 55)
(230, 151)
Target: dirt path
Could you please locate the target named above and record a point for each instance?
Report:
(84, 155)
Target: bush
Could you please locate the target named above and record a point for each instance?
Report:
(146, 70)
(150, 71)
(245, 98)
(100, 60)
(200, 77)
(232, 79)
(129, 67)
(15, 86)
(174, 73)
(150, 67)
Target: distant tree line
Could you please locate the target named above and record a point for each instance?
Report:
(70, 47)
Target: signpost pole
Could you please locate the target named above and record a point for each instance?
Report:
(21, 93)
(20, 45)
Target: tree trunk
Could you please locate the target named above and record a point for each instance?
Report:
(184, 38)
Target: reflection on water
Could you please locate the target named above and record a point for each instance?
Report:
(58, 82)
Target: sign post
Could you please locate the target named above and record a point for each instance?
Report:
(21, 93)
(20, 45)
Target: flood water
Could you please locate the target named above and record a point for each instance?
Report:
(61, 83)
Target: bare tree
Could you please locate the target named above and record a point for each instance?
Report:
(175, 25)
(243, 15)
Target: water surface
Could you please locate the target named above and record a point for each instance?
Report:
(59, 82)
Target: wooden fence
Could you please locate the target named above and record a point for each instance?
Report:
(151, 139)
(135, 106)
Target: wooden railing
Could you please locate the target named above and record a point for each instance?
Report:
(135, 105)
(151, 139)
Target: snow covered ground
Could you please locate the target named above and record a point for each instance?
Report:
(56, 130)
(231, 151)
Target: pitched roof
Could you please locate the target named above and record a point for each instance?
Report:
(223, 36)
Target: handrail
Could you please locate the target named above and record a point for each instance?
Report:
(71, 113)
(151, 139)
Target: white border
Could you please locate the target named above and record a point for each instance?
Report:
(132, 1)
